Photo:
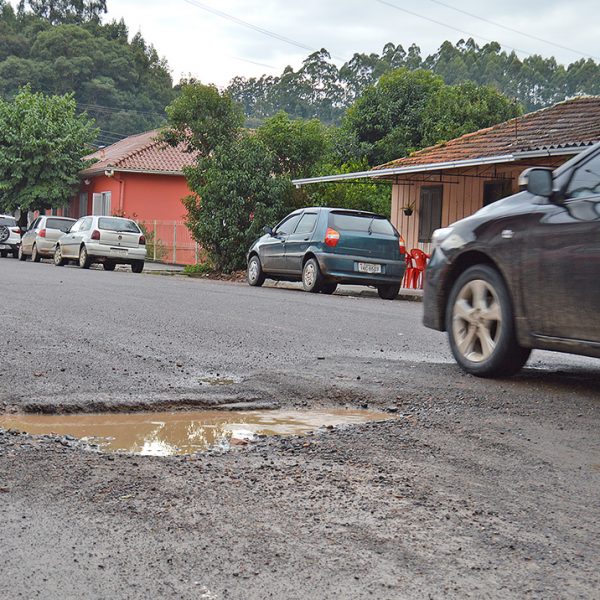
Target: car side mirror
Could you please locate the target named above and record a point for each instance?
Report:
(268, 230)
(537, 181)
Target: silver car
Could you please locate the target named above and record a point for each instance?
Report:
(110, 241)
(40, 239)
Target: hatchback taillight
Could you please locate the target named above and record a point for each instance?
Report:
(16, 230)
(402, 245)
(332, 237)
(42, 233)
(95, 235)
(142, 240)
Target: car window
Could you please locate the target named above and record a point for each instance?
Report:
(76, 227)
(34, 224)
(307, 223)
(117, 224)
(85, 224)
(60, 224)
(342, 221)
(286, 227)
(585, 180)
(8, 221)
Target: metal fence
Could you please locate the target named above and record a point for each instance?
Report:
(170, 242)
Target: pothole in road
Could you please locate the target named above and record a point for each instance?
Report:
(179, 433)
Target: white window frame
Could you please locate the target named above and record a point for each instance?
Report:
(101, 204)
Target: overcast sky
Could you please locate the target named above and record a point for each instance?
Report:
(214, 49)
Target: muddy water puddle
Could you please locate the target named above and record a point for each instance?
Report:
(177, 433)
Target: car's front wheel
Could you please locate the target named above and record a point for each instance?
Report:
(3, 253)
(312, 280)
(109, 266)
(388, 291)
(84, 258)
(59, 261)
(22, 255)
(256, 276)
(329, 288)
(35, 255)
(480, 324)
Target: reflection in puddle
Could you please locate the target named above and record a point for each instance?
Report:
(167, 434)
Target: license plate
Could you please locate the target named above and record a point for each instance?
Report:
(369, 268)
(118, 251)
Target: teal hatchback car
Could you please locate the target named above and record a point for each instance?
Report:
(323, 247)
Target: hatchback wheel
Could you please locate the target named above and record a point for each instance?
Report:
(312, 280)
(388, 291)
(480, 324)
(84, 259)
(35, 256)
(59, 261)
(255, 274)
(137, 266)
(109, 266)
(22, 255)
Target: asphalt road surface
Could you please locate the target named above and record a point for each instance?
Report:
(477, 489)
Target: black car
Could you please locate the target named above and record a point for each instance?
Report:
(522, 273)
(325, 246)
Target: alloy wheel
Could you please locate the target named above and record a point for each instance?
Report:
(309, 275)
(476, 320)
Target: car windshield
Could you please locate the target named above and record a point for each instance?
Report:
(345, 221)
(117, 224)
(61, 224)
(8, 221)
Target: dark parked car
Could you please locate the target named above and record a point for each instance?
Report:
(522, 273)
(324, 246)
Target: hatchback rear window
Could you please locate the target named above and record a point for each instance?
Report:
(8, 221)
(116, 224)
(61, 224)
(363, 223)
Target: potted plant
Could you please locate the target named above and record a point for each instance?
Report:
(407, 209)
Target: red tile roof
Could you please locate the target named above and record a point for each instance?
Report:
(142, 153)
(569, 124)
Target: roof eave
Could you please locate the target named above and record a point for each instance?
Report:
(102, 171)
(454, 164)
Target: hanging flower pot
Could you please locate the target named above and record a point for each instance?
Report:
(407, 211)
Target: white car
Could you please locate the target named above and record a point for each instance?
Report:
(110, 241)
(10, 236)
(40, 239)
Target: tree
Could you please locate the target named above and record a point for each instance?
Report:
(202, 118)
(235, 195)
(298, 145)
(408, 110)
(42, 142)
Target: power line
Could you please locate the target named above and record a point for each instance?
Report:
(414, 14)
(529, 35)
(101, 107)
(266, 32)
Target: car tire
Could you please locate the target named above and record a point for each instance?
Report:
(329, 288)
(109, 266)
(35, 255)
(22, 255)
(255, 274)
(137, 266)
(388, 291)
(59, 261)
(84, 259)
(15, 252)
(3, 253)
(481, 325)
(312, 279)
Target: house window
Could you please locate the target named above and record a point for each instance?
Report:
(83, 203)
(430, 211)
(101, 204)
(496, 190)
